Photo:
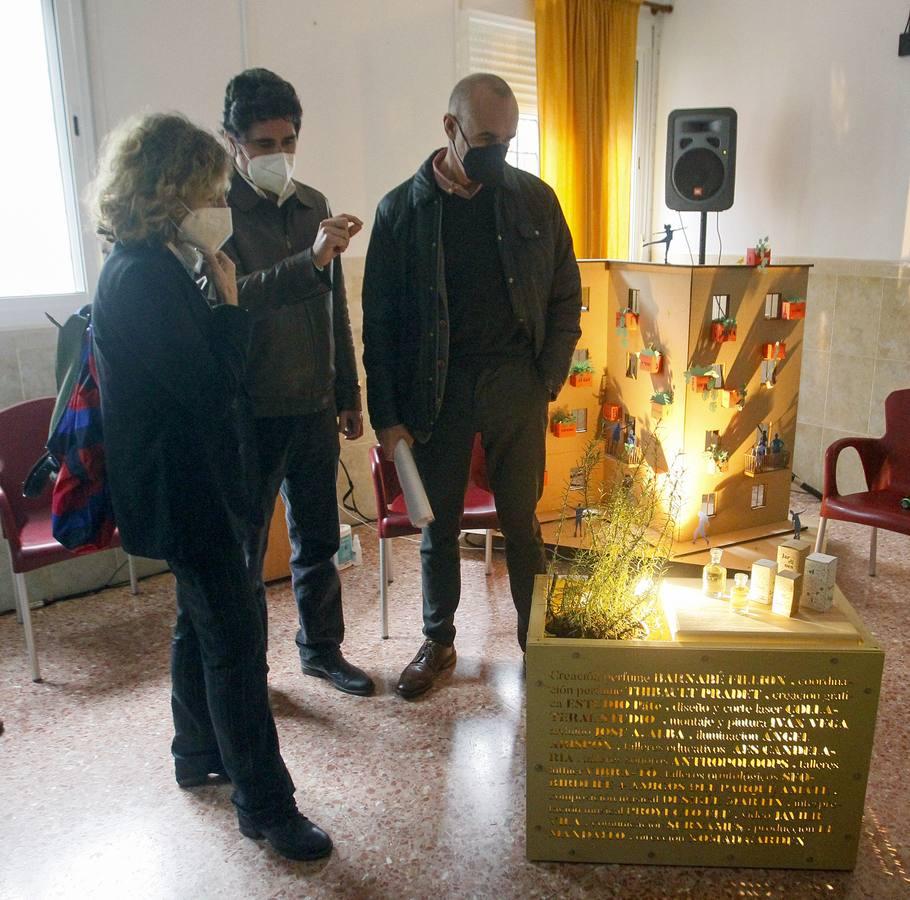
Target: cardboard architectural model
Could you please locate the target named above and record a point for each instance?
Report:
(695, 367)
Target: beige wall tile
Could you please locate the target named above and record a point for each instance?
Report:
(856, 315)
(809, 454)
(813, 387)
(36, 366)
(894, 330)
(819, 312)
(10, 380)
(890, 375)
(850, 477)
(849, 393)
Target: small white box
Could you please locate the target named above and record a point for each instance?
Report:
(345, 555)
(762, 586)
(786, 593)
(818, 581)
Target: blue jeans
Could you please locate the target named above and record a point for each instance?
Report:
(298, 456)
(219, 694)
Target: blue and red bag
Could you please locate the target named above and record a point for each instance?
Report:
(82, 515)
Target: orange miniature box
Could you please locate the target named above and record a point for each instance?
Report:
(777, 350)
(793, 309)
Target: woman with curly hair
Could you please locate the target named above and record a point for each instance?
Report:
(171, 360)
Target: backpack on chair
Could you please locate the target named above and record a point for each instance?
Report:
(82, 516)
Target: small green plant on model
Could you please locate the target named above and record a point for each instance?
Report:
(718, 456)
(662, 398)
(610, 589)
(742, 397)
(562, 417)
(581, 366)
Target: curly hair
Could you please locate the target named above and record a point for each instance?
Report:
(152, 168)
(258, 95)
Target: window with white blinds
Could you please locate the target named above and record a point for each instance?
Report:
(505, 46)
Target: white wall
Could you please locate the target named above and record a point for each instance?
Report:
(373, 77)
(823, 156)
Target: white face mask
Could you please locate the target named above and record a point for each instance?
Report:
(207, 228)
(271, 171)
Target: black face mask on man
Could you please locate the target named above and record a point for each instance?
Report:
(483, 165)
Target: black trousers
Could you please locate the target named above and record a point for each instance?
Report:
(219, 694)
(507, 404)
(298, 456)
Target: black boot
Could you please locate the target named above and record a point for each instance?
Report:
(295, 838)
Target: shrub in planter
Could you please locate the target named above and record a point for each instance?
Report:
(660, 403)
(760, 254)
(650, 360)
(563, 423)
(610, 590)
(723, 330)
(581, 373)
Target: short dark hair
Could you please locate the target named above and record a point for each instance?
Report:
(258, 95)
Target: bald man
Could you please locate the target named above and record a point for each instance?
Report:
(471, 304)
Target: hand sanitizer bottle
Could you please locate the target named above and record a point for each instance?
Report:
(714, 576)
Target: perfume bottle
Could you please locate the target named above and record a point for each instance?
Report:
(714, 576)
(739, 593)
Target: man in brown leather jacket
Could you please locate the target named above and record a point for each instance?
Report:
(471, 307)
(302, 373)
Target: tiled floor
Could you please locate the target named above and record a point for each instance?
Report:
(424, 799)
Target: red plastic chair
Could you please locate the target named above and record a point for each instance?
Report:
(886, 464)
(27, 521)
(392, 515)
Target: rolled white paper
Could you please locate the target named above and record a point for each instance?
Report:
(415, 497)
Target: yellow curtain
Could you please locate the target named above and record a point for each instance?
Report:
(585, 95)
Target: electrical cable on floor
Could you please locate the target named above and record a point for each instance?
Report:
(349, 494)
(815, 492)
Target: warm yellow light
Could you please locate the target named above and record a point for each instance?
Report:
(643, 586)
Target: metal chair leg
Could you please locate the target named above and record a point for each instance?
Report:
(820, 537)
(134, 579)
(21, 592)
(389, 566)
(873, 548)
(383, 589)
(488, 552)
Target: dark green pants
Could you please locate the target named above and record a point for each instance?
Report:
(507, 404)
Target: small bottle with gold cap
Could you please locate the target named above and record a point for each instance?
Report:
(714, 576)
(739, 593)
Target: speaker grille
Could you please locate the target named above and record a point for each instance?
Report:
(698, 174)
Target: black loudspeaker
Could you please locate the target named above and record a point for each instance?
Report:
(701, 159)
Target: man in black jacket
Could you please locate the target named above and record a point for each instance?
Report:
(471, 304)
(302, 373)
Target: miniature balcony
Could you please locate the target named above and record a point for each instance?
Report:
(770, 462)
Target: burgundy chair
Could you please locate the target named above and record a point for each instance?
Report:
(27, 521)
(886, 464)
(392, 515)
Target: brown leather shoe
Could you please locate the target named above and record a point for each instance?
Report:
(419, 674)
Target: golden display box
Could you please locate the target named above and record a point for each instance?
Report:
(749, 751)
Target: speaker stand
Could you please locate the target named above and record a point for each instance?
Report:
(702, 237)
